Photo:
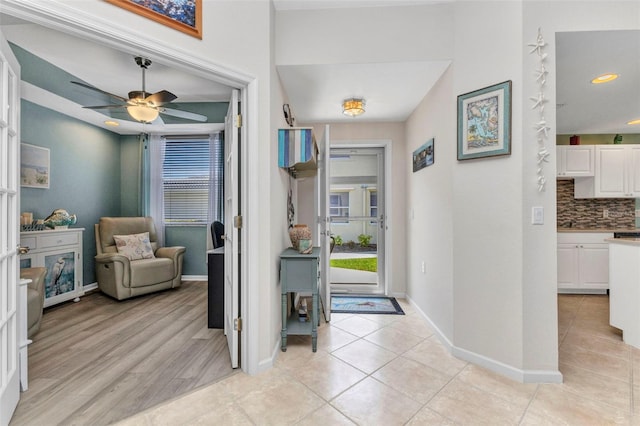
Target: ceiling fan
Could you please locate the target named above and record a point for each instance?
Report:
(142, 106)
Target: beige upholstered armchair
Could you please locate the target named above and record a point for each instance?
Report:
(35, 297)
(129, 262)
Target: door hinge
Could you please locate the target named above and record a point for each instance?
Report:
(237, 222)
(238, 121)
(237, 324)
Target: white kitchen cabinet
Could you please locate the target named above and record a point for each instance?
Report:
(575, 160)
(617, 173)
(583, 262)
(60, 252)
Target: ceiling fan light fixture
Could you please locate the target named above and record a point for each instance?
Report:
(142, 113)
(353, 107)
(604, 78)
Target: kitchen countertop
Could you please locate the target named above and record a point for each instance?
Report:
(626, 241)
(601, 230)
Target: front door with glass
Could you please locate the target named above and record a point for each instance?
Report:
(356, 211)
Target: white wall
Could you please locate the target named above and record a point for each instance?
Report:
(487, 193)
(429, 212)
(278, 190)
(386, 34)
(539, 273)
(503, 301)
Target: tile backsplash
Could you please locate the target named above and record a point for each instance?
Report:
(587, 213)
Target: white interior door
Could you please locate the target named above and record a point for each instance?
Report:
(9, 231)
(231, 228)
(324, 223)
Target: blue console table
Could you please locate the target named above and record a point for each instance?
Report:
(299, 274)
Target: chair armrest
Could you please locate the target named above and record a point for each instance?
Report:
(112, 258)
(170, 252)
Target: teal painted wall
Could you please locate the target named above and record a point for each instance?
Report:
(84, 177)
(94, 173)
(130, 176)
(194, 238)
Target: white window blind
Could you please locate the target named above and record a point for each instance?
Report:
(186, 172)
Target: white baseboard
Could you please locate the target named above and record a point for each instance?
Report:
(519, 375)
(582, 291)
(90, 287)
(398, 295)
(195, 278)
(94, 286)
(439, 334)
(268, 363)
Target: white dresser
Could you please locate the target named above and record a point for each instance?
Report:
(60, 251)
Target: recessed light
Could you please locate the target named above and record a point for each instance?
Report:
(634, 122)
(111, 123)
(604, 78)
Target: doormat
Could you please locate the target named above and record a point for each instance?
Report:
(365, 305)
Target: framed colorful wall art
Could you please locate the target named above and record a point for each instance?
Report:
(484, 122)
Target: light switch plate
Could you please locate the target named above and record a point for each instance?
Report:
(537, 215)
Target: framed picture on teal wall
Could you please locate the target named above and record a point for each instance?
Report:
(35, 166)
(484, 122)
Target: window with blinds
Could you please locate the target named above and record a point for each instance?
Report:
(193, 174)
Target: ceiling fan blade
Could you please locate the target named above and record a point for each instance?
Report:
(100, 91)
(105, 106)
(161, 97)
(183, 114)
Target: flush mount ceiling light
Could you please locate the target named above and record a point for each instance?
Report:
(143, 113)
(634, 122)
(111, 123)
(604, 78)
(353, 107)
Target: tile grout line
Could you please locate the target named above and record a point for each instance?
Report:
(370, 375)
(526, 409)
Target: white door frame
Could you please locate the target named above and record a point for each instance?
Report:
(385, 144)
(60, 17)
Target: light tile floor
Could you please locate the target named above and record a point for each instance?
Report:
(392, 370)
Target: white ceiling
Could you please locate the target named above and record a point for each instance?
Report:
(335, 4)
(583, 107)
(391, 90)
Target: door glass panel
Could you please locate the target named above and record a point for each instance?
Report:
(355, 218)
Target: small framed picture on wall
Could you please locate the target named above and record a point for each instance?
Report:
(423, 156)
(35, 169)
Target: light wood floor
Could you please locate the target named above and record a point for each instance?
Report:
(101, 360)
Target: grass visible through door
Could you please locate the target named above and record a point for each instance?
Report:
(358, 263)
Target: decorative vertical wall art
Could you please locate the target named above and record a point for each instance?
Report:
(542, 130)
